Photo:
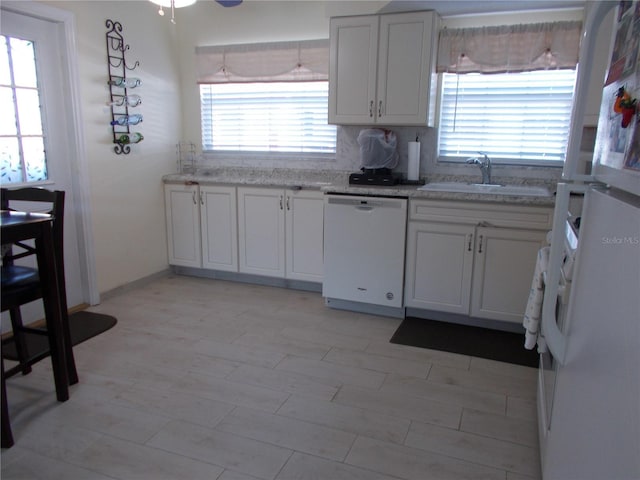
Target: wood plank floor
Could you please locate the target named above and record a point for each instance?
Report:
(206, 379)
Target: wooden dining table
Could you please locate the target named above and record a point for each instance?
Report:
(19, 226)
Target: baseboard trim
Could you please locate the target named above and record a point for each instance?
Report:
(249, 278)
(141, 282)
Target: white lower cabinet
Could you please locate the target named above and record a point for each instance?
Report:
(182, 210)
(280, 233)
(461, 257)
(304, 235)
(201, 226)
(439, 267)
(456, 263)
(219, 228)
(503, 267)
(261, 231)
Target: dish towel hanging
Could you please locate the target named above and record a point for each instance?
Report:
(533, 312)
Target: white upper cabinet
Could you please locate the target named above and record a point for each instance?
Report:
(382, 69)
(353, 63)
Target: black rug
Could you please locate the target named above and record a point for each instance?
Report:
(83, 326)
(467, 340)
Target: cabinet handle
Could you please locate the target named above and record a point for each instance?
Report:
(371, 109)
(380, 109)
(193, 197)
(288, 203)
(281, 202)
(480, 245)
(470, 242)
(201, 199)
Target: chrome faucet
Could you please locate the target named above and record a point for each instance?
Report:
(484, 163)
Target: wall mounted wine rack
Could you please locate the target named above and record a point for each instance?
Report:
(121, 88)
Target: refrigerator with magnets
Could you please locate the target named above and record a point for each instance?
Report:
(589, 382)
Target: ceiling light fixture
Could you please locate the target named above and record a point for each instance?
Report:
(173, 4)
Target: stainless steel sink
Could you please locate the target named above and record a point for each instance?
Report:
(494, 189)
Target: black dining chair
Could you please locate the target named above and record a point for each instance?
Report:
(21, 285)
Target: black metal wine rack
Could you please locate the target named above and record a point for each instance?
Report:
(120, 98)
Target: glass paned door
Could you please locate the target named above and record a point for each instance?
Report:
(22, 141)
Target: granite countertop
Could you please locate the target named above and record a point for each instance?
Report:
(333, 181)
(282, 178)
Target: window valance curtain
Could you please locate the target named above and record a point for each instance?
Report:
(264, 62)
(510, 48)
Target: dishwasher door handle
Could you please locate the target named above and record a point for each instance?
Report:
(364, 208)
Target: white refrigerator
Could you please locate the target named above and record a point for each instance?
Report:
(589, 392)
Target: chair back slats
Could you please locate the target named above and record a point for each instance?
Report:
(28, 251)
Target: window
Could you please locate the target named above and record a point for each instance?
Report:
(286, 117)
(22, 153)
(518, 117)
(266, 98)
(507, 90)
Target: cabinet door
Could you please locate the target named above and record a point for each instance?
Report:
(261, 231)
(504, 263)
(304, 235)
(218, 220)
(352, 69)
(183, 225)
(405, 67)
(439, 266)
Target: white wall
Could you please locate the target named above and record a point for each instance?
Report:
(126, 190)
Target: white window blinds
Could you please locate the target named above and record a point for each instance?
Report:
(267, 117)
(521, 117)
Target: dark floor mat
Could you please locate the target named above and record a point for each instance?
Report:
(83, 325)
(464, 339)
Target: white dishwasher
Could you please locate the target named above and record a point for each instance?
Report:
(364, 244)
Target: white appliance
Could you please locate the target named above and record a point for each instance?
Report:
(589, 382)
(364, 250)
(548, 365)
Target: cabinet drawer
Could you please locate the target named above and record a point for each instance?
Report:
(515, 216)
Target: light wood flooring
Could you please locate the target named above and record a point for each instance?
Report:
(206, 379)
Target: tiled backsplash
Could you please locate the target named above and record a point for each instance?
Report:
(348, 154)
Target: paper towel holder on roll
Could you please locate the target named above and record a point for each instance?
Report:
(413, 162)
